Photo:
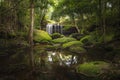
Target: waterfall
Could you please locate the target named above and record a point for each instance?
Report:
(55, 28)
(50, 28)
(61, 31)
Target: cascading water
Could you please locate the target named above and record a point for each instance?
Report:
(50, 28)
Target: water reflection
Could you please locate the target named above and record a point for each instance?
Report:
(61, 58)
(38, 64)
(32, 64)
(54, 65)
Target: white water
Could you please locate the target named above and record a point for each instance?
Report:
(50, 28)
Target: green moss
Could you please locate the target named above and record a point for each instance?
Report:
(72, 43)
(63, 40)
(92, 68)
(86, 37)
(77, 36)
(56, 35)
(53, 47)
(66, 27)
(41, 36)
(77, 49)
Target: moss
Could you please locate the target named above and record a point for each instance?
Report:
(77, 49)
(53, 47)
(41, 36)
(71, 43)
(56, 35)
(86, 37)
(63, 40)
(92, 68)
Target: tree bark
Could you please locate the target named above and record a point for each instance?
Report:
(100, 13)
(104, 21)
(31, 33)
(32, 22)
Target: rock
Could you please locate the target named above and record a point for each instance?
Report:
(41, 36)
(93, 68)
(63, 40)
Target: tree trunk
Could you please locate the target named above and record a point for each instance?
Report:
(100, 13)
(42, 18)
(104, 22)
(32, 22)
(31, 33)
(75, 23)
(82, 25)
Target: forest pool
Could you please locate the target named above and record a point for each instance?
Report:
(38, 63)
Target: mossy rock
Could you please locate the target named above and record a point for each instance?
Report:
(72, 43)
(63, 40)
(77, 36)
(74, 46)
(92, 68)
(41, 36)
(56, 35)
(53, 47)
(77, 49)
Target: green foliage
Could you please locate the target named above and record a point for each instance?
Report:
(41, 36)
(86, 13)
(92, 38)
(72, 43)
(66, 27)
(107, 38)
(92, 68)
(63, 40)
(41, 12)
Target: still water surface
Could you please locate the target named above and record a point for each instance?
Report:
(40, 64)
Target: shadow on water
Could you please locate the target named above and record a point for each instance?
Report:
(36, 63)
